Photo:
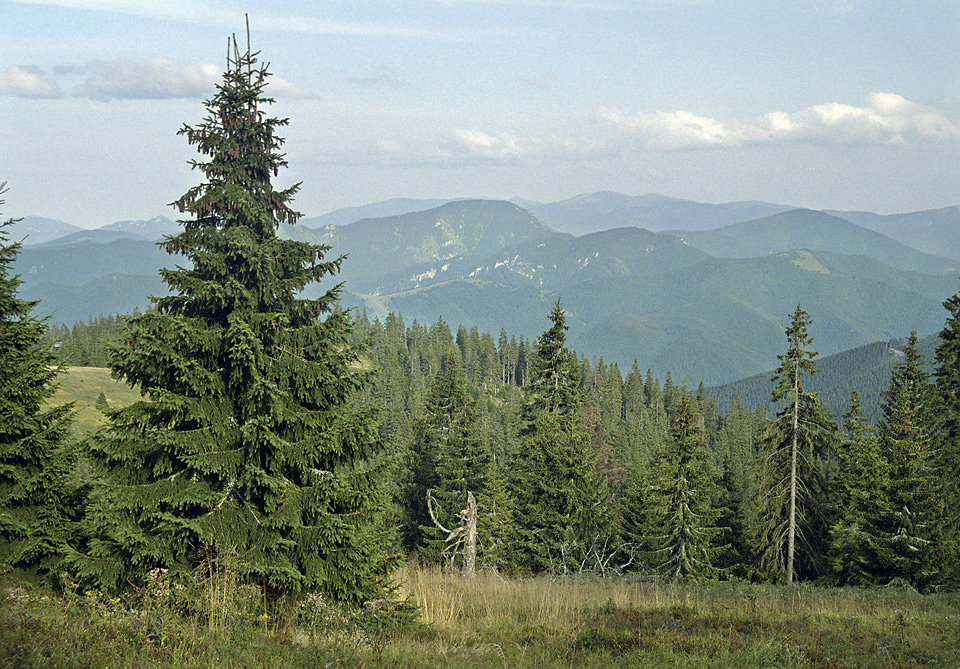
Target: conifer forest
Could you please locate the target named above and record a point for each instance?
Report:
(312, 451)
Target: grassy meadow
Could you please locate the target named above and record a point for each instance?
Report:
(488, 621)
(82, 386)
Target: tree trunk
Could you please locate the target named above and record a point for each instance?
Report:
(792, 521)
(470, 539)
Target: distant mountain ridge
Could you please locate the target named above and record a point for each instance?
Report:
(37, 230)
(935, 231)
(382, 248)
(715, 320)
(707, 304)
(592, 212)
(817, 231)
(154, 228)
(384, 209)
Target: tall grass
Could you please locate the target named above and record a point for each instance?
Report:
(591, 621)
(487, 621)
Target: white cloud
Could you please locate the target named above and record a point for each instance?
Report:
(887, 118)
(677, 130)
(28, 81)
(123, 79)
(478, 144)
(155, 78)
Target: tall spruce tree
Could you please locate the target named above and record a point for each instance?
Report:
(798, 441)
(737, 499)
(561, 506)
(948, 449)
(36, 507)
(907, 433)
(245, 445)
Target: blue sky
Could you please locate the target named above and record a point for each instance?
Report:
(839, 104)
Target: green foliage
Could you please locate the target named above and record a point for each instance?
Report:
(245, 442)
(907, 433)
(494, 622)
(863, 477)
(448, 459)
(684, 491)
(865, 369)
(561, 510)
(798, 443)
(37, 506)
(947, 460)
(87, 344)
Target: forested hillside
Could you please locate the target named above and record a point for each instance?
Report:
(705, 305)
(866, 369)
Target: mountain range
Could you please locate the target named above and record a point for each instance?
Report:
(701, 290)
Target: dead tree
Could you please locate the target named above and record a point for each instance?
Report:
(461, 540)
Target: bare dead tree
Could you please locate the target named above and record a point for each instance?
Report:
(461, 540)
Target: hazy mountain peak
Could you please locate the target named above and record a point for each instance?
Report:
(39, 230)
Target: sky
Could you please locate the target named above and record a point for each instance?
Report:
(827, 104)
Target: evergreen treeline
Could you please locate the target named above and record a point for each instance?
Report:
(677, 487)
(86, 344)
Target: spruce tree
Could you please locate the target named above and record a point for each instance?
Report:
(948, 449)
(797, 442)
(907, 433)
(855, 542)
(684, 490)
(636, 524)
(561, 506)
(245, 446)
(36, 506)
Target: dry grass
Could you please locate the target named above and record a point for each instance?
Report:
(592, 622)
(488, 621)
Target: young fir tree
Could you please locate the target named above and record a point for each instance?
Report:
(948, 451)
(636, 520)
(737, 497)
(684, 489)
(36, 507)
(797, 441)
(495, 528)
(245, 447)
(561, 506)
(862, 480)
(907, 434)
